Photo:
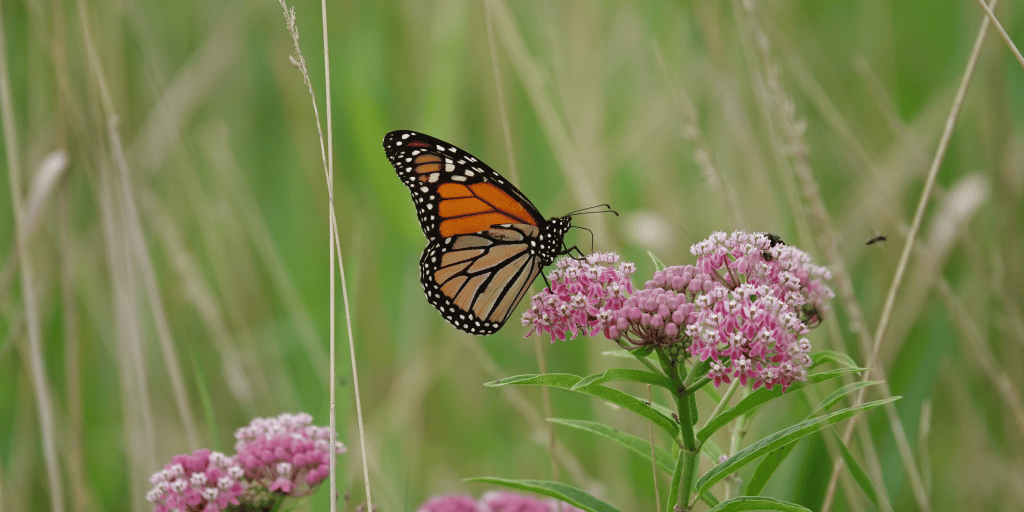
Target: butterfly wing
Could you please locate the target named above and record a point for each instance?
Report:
(476, 280)
(486, 241)
(454, 192)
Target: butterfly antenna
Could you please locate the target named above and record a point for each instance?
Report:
(588, 231)
(594, 209)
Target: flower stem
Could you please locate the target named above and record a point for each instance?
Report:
(690, 452)
(689, 455)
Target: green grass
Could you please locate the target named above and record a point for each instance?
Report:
(226, 204)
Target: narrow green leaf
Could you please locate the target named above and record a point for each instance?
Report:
(759, 397)
(766, 468)
(638, 445)
(828, 356)
(559, 491)
(771, 462)
(657, 263)
(709, 499)
(757, 503)
(619, 398)
(778, 440)
(558, 380)
(623, 374)
(673, 490)
(859, 475)
(838, 395)
(625, 354)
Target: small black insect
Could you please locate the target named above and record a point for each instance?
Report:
(879, 238)
(774, 240)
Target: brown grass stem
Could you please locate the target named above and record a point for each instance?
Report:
(43, 397)
(825, 237)
(1002, 33)
(915, 226)
(333, 238)
(327, 156)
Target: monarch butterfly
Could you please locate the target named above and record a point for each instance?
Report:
(486, 242)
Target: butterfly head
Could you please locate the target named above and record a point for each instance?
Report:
(551, 241)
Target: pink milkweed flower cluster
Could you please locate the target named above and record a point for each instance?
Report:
(582, 297)
(286, 454)
(502, 501)
(744, 305)
(202, 482)
(659, 313)
(751, 325)
(277, 457)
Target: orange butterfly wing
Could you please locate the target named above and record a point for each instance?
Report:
(486, 241)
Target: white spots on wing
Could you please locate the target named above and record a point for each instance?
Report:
(440, 148)
(458, 178)
(434, 177)
(469, 173)
(405, 136)
(424, 189)
(449, 166)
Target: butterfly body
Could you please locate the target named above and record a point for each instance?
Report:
(486, 242)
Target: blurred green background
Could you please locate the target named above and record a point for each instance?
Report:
(179, 264)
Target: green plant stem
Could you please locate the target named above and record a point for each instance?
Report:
(689, 456)
(732, 484)
(647, 362)
(724, 402)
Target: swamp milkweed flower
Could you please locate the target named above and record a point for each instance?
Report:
(582, 297)
(767, 296)
(744, 305)
(501, 501)
(286, 454)
(202, 482)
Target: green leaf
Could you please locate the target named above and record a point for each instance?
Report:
(673, 491)
(757, 503)
(558, 380)
(779, 439)
(709, 498)
(759, 397)
(624, 400)
(559, 491)
(766, 468)
(828, 356)
(859, 475)
(658, 265)
(838, 395)
(623, 374)
(638, 445)
(625, 354)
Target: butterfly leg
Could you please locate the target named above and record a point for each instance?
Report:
(547, 285)
(569, 251)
